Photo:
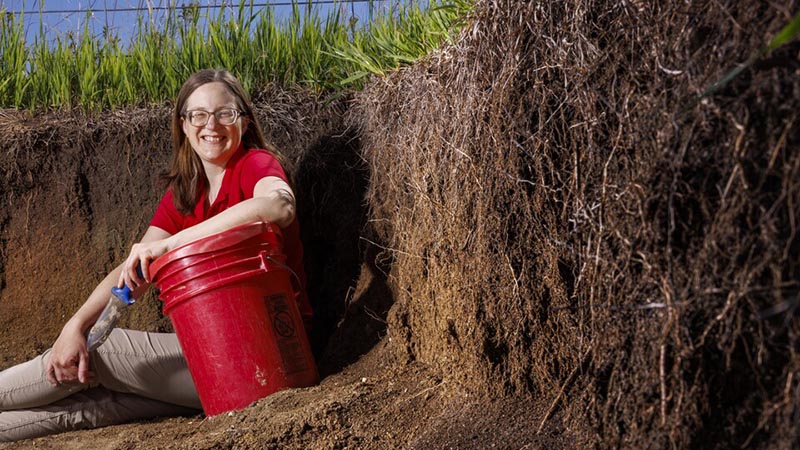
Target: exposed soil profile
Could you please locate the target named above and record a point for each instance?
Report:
(538, 237)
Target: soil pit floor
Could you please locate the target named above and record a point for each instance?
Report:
(375, 403)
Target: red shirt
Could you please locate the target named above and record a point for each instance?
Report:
(243, 171)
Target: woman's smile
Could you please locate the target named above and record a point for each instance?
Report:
(214, 142)
(213, 139)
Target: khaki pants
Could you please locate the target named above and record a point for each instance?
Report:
(137, 375)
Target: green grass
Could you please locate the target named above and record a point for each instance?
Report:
(322, 53)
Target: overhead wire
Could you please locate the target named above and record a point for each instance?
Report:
(187, 5)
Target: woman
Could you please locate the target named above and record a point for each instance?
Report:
(223, 174)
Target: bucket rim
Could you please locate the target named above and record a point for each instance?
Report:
(214, 242)
(254, 274)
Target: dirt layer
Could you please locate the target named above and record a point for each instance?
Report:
(373, 404)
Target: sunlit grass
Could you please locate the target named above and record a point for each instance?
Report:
(324, 53)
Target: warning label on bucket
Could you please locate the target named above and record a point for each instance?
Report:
(289, 344)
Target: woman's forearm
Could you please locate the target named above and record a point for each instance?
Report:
(273, 201)
(277, 208)
(88, 313)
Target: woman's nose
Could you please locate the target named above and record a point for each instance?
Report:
(210, 118)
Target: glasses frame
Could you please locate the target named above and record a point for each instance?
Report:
(236, 115)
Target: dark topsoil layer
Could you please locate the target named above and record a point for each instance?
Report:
(537, 237)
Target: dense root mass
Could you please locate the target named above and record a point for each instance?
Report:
(567, 221)
(553, 217)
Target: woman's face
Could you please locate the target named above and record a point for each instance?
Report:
(213, 142)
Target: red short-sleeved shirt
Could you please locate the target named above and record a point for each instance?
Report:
(244, 170)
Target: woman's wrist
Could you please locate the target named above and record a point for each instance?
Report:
(173, 242)
(74, 325)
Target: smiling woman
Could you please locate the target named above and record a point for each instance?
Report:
(223, 174)
(212, 128)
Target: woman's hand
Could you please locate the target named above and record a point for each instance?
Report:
(141, 255)
(154, 243)
(69, 358)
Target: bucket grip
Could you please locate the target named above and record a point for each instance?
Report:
(266, 257)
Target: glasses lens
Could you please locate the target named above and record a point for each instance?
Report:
(226, 116)
(198, 118)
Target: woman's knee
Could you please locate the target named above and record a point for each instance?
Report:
(147, 364)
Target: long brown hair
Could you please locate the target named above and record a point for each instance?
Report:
(185, 176)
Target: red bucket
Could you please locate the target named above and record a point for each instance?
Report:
(233, 308)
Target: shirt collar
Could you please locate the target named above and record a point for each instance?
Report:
(222, 197)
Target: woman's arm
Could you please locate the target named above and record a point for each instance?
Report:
(69, 357)
(273, 201)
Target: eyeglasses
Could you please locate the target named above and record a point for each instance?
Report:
(224, 116)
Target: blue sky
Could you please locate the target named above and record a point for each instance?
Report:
(59, 17)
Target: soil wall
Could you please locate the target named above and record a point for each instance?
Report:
(77, 192)
(568, 221)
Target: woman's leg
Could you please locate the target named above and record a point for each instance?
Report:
(91, 408)
(147, 364)
(25, 385)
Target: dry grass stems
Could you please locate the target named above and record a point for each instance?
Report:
(560, 227)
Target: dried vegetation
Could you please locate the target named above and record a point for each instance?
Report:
(565, 222)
